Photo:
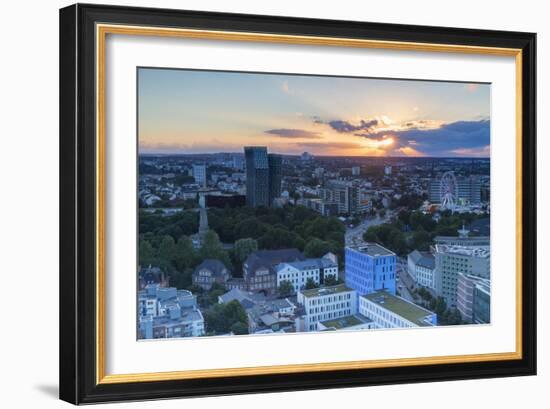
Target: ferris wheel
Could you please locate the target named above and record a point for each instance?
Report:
(448, 190)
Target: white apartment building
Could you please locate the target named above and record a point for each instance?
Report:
(421, 266)
(326, 303)
(298, 272)
(390, 311)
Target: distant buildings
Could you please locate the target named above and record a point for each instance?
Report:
(473, 298)
(306, 157)
(320, 206)
(421, 266)
(468, 190)
(298, 272)
(355, 170)
(168, 313)
(370, 267)
(199, 173)
(327, 303)
(209, 272)
(389, 311)
(387, 170)
(346, 196)
(450, 260)
(263, 176)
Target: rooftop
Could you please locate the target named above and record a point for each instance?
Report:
(411, 312)
(477, 251)
(318, 292)
(372, 249)
(423, 258)
(346, 322)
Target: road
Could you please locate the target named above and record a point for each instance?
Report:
(404, 280)
(355, 235)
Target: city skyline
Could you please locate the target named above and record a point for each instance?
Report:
(193, 112)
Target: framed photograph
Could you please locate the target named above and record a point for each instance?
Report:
(257, 203)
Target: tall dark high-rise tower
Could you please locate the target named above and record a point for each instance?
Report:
(275, 176)
(263, 176)
(257, 176)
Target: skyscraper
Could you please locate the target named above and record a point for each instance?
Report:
(275, 176)
(263, 176)
(257, 176)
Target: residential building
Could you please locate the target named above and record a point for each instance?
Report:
(387, 170)
(209, 272)
(299, 272)
(390, 311)
(370, 267)
(199, 173)
(467, 288)
(326, 303)
(355, 170)
(451, 260)
(259, 268)
(168, 313)
(421, 266)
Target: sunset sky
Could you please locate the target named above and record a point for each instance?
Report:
(183, 111)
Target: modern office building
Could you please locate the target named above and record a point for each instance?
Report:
(389, 311)
(451, 260)
(421, 266)
(355, 170)
(326, 303)
(469, 286)
(199, 173)
(370, 267)
(263, 176)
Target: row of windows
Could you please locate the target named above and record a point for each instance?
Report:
(330, 299)
(338, 306)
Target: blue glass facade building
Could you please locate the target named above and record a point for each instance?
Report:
(370, 267)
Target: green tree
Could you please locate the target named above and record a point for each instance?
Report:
(310, 284)
(186, 256)
(146, 253)
(421, 240)
(243, 248)
(285, 288)
(316, 248)
(239, 328)
(167, 252)
(212, 249)
(331, 280)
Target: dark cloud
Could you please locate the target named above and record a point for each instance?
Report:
(348, 127)
(294, 133)
(335, 145)
(317, 119)
(448, 140)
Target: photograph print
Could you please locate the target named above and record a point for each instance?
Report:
(280, 203)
